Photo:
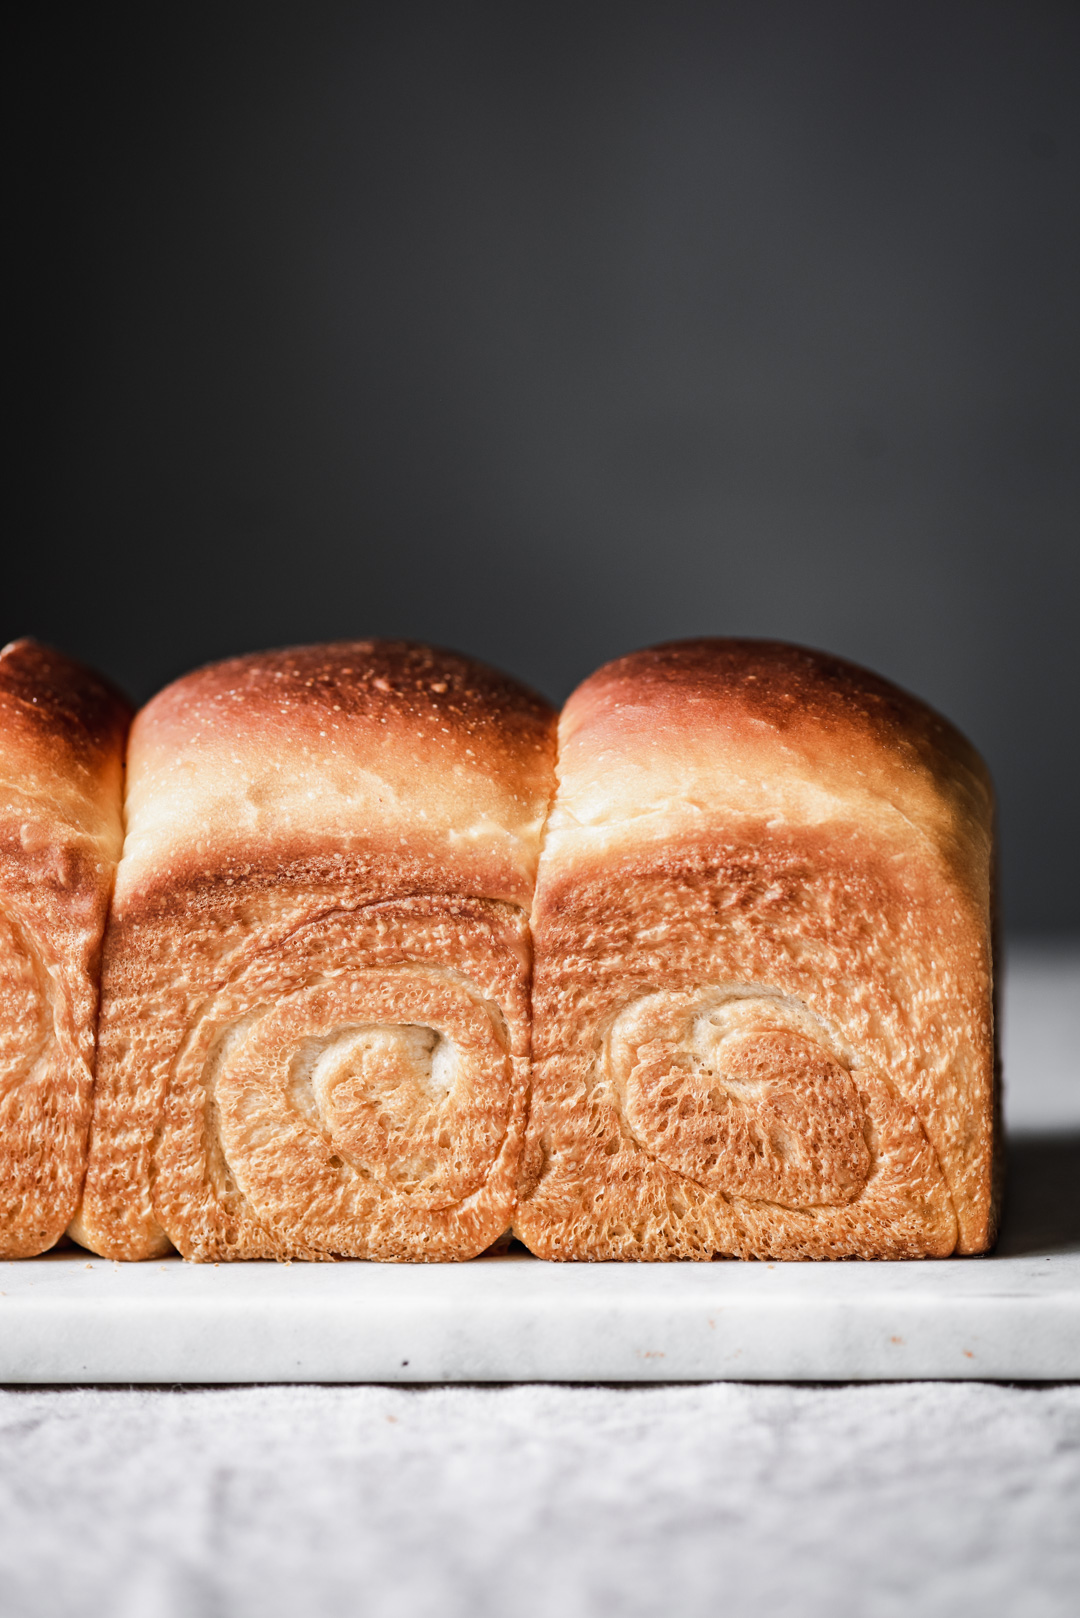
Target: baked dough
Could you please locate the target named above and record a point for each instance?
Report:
(314, 1033)
(62, 735)
(762, 1019)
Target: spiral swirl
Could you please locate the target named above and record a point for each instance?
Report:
(742, 1092)
(351, 1093)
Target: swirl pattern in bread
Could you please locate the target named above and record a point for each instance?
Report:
(315, 1017)
(763, 1018)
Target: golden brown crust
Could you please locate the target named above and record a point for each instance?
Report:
(315, 1023)
(55, 711)
(370, 747)
(762, 997)
(786, 687)
(62, 733)
(685, 732)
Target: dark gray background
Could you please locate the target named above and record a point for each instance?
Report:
(549, 331)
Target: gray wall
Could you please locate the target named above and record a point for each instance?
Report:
(549, 331)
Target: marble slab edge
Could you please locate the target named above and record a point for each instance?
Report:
(67, 1319)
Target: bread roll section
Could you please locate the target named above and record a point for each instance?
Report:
(763, 1018)
(61, 779)
(314, 1038)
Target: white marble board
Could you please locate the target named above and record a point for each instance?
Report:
(68, 1318)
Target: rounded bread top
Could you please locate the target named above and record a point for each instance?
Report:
(62, 730)
(688, 736)
(361, 747)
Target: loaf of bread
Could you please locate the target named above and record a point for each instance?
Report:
(314, 1033)
(61, 779)
(762, 1017)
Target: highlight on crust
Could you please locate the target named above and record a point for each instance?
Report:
(382, 974)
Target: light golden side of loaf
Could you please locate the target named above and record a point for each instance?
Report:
(314, 1035)
(762, 1007)
(61, 775)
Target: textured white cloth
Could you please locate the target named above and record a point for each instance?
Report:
(724, 1499)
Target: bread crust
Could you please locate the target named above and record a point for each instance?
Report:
(763, 968)
(62, 732)
(380, 747)
(315, 1019)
